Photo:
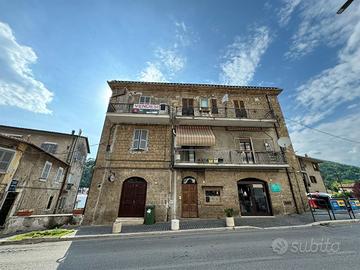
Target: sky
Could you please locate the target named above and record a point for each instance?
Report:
(56, 56)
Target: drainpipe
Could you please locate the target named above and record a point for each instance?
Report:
(173, 171)
(283, 154)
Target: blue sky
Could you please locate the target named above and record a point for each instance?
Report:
(56, 56)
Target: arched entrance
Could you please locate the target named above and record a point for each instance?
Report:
(189, 205)
(254, 197)
(133, 198)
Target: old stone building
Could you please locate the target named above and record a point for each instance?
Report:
(193, 150)
(311, 175)
(70, 148)
(30, 179)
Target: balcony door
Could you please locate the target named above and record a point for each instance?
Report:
(240, 111)
(253, 198)
(188, 107)
(246, 151)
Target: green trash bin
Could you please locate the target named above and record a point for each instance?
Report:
(149, 214)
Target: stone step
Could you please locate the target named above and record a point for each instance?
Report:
(130, 220)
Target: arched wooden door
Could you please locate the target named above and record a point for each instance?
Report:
(133, 198)
(189, 206)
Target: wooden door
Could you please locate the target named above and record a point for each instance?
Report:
(189, 201)
(7, 205)
(133, 198)
(187, 106)
(240, 110)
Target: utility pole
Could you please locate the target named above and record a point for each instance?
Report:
(340, 181)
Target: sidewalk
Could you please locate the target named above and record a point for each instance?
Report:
(190, 224)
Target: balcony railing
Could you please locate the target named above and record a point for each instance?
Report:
(138, 108)
(208, 156)
(222, 112)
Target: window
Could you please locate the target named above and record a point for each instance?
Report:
(268, 146)
(59, 175)
(49, 147)
(140, 139)
(6, 156)
(240, 111)
(145, 100)
(62, 202)
(46, 170)
(212, 195)
(204, 103)
(313, 179)
(49, 202)
(315, 166)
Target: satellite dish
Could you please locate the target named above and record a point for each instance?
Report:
(284, 142)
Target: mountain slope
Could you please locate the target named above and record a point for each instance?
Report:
(329, 170)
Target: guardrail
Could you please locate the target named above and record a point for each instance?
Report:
(206, 156)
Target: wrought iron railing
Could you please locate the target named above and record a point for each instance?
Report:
(224, 112)
(209, 156)
(138, 108)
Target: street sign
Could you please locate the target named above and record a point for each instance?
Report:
(355, 204)
(275, 187)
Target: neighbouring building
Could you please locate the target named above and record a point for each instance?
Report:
(30, 179)
(193, 150)
(70, 148)
(311, 175)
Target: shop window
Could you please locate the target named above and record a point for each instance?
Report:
(212, 195)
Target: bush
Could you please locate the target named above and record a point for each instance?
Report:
(229, 212)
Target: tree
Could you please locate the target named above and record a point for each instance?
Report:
(87, 173)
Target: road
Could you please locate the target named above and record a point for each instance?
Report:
(334, 247)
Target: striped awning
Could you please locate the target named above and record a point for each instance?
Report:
(194, 136)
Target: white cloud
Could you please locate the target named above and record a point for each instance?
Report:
(168, 61)
(322, 94)
(171, 59)
(152, 74)
(288, 7)
(325, 147)
(18, 87)
(243, 57)
(320, 25)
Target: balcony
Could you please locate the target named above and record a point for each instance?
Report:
(221, 116)
(139, 113)
(208, 158)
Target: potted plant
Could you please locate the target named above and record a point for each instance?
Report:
(229, 212)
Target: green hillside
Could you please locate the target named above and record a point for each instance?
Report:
(329, 170)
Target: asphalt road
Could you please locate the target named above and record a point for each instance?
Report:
(335, 247)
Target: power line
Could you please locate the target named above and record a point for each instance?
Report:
(324, 132)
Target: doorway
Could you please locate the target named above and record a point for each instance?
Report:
(133, 198)
(189, 206)
(6, 207)
(254, 198)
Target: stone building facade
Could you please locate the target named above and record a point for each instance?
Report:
(30, 179)
(311, 175)
(70, 148)
(193, 150)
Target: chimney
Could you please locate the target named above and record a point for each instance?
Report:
(306, 155)
(73, 132)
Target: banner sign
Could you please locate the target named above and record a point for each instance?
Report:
(337, 204)
(275, 187)
(146, 108)
(355, 204)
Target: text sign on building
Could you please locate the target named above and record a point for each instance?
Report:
(146, 108)
(275, 187)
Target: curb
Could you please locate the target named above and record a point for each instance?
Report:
(72, 237)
